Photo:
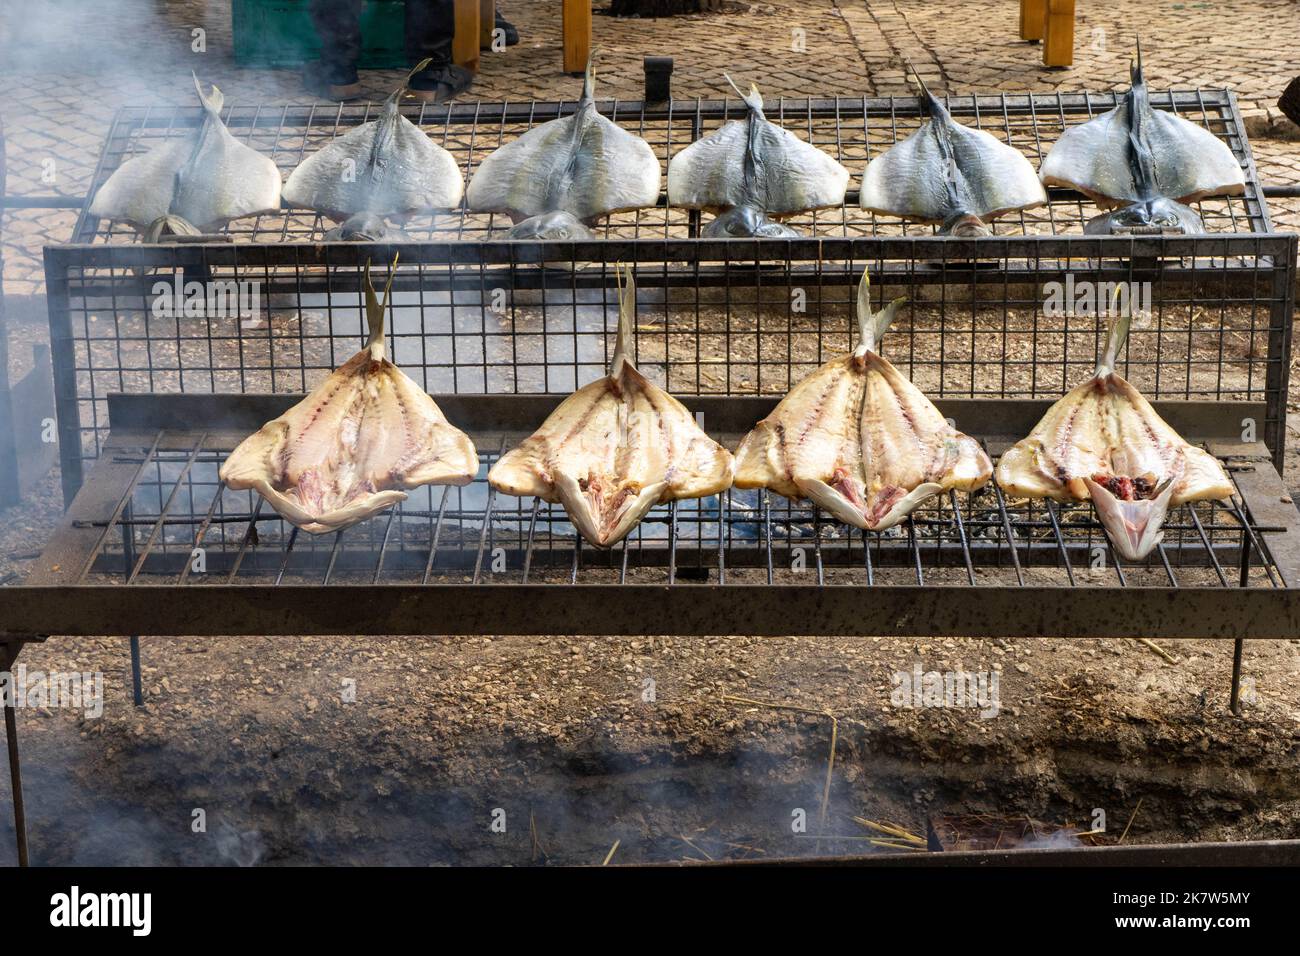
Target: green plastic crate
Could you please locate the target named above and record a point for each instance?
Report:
(279, 33)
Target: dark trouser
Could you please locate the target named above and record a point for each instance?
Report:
(429, 28)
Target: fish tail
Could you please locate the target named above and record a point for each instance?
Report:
(753, 99)
(1135, 68)
(626, 316)
(873, 325)
(212, 102)
(932, 105)
(589, 79)
(1116, 335)
(376, 311)
(406, 80)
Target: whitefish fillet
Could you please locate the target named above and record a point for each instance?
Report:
(1104, 442)
(354, 446)
(859, 439)
(615, 448)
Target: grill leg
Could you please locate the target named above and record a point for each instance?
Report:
(15, 774)
(136, 692)
(1235, 703)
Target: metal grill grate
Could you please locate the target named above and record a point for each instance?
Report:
(853, 130)
(175, 507)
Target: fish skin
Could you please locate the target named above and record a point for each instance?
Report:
(614, 449)
(1105, 428)
(583, 165)
(205, 178)
(355, 445)
(1137, 154)
(397, 171)
(859, 439)
(753, 164)
(945, 172)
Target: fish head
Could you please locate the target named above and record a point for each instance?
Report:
(1133, 524)
(605, 509)
(169, 226)
(845, 497)
(965, 225)
(363, 227)
(552, 226)
(746, 222)
(1158, 216)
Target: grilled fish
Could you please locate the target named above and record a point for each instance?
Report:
(752, 172)
(615, 448)
(950, 174)
(387, 167)
(355, 445)
(1105, 443)
(191, 184)
(1148, 162)
(560, 177)
(859, 439)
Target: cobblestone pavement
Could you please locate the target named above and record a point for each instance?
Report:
(64, 69)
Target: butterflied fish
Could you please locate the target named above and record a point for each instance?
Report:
(859, 439)
(355, 445)
(1148, 162)
(752, 172)
(1105, 443)
(387, 167)
(615, 448)
(950, 174)
(560, 177)
(191, 184)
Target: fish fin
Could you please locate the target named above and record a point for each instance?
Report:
(1134, 527)
(212, 102)
(1116, 335)
(873, 325)
(626, 318)
(753, 99)
(376, 311)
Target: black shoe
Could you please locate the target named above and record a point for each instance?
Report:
(332, 82)
(438, 83)
(507, 29)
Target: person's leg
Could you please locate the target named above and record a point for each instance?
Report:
(430, 25)
(334, 75)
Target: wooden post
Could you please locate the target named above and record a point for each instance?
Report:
(1033, 15)
(465, 41)
(487, 22)
(1058, 38)
(577, 35)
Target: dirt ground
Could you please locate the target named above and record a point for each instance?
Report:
(528, 751)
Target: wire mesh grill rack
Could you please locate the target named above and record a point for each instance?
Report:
(989, 318)
(853, 130)
(155, 518)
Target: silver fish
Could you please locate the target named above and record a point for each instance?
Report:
(560, 177)
(1148, 162)
(752, 172)
(1105, 443)
(615, 448)
(387, 167)
(191, 184)
(859, 439)
(950, 174)
(355, 445)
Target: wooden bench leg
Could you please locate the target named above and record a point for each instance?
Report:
(1033, 17)
(487, 22)
(465, 41)
(1058, 38)
(577, 35)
